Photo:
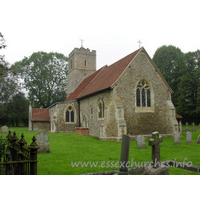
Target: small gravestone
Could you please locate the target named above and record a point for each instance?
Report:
(188, 137)
(155, 143)
(4, 129)
(141, 142)
(180, 126)
(187, 129)
(11, 131)
(198, 140)
(177, 138)
(43, 142)
(193, 129)
(199, 128)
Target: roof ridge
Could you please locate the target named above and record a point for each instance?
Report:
(92, 80)
(137, 52)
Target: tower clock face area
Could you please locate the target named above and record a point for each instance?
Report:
(82, 63)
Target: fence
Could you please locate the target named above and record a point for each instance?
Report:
(16, 158)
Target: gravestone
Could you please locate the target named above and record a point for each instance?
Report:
(193, 129)
(188, 137)
(141, 142)
(177, 138)
(43, 142)
(123, 170)
(199, 128)
(4, 129)
(180, 126)
(155, 143)
(187, 129)
(198, 140)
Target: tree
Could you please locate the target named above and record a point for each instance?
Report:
(3, 67)
(169, 60)
(45, 77)
(189, 86)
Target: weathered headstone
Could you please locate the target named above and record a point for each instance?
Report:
(43, 142)
(123, 170)
(155, 143)
(4, 129)
(187, 129)
(198, 140)
(188, 137)
(180, 126)
(141, 142)
(177, 138)
(193, 129)
(199, 128)
(11, 131)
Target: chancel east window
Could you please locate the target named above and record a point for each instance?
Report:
(70, 114)
(101, 109)
(143, 94)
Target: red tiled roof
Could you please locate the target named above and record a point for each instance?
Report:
(40, 114)
(102, 79)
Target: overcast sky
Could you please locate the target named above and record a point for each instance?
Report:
(110, 27)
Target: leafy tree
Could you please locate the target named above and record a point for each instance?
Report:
(45, 77)
(3, 67)
(169, 60)
(189, 86)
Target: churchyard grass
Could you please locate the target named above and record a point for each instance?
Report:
(68, 147)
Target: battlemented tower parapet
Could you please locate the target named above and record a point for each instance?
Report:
(81, 64)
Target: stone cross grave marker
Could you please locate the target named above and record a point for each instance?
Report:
(193, 129)
(188, 137)
(187, 129)
(198, 140)
(43, 142)
(155, 143)
(177, 138)
(4, 129)
(141, 142)
(123, 170)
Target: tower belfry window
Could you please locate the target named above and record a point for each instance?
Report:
(85, 62)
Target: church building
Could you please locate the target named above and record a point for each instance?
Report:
(128, 97)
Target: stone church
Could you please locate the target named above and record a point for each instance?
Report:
(129, 97)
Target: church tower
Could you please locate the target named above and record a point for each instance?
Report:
(81, 64)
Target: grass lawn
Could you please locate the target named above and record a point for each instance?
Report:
(69, 147)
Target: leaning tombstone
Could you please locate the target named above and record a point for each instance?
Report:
(188, 137)
(123, 170)
(4, 129)
(43, 142)
(187, 129)
(141, 142)
(198, 140)
(193, 129)
(199, 128)
(177, 138)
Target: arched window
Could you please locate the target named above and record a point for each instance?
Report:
(143, 94)
(100, 109)
(70, 114)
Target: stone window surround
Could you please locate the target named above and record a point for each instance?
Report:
(74, 114)
(144, 109)
(100, 105)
